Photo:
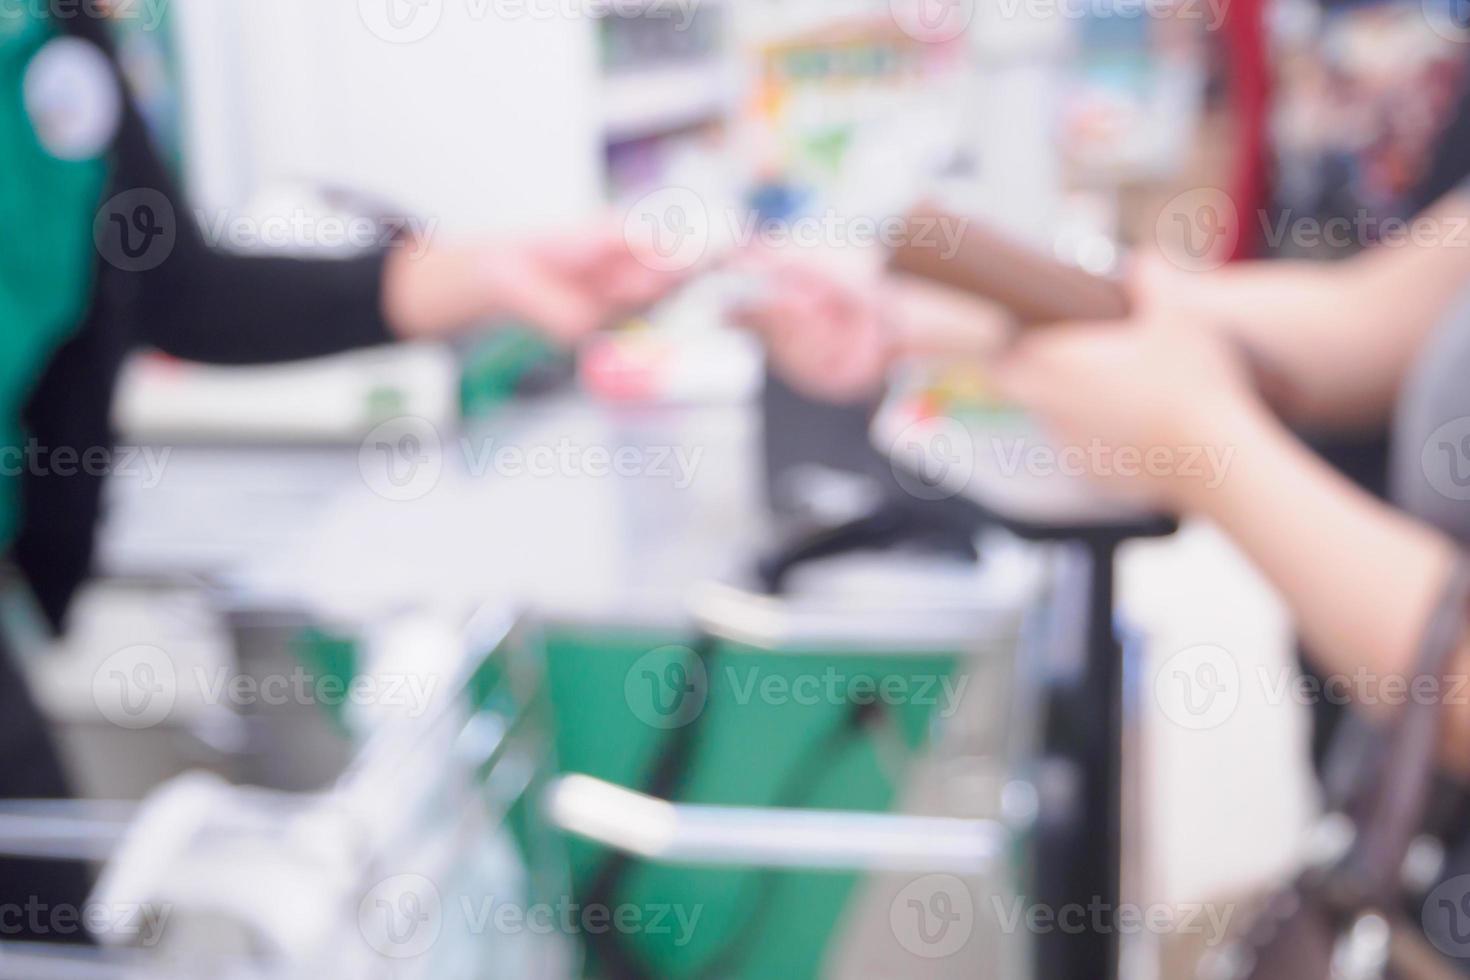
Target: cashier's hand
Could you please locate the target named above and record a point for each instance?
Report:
(567, 286)
(1140, 402)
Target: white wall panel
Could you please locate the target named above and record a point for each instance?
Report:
(488, 123)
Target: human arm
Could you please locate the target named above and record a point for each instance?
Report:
(1335, 340)
(1359, 577)
(1341, 335)
(199, 301)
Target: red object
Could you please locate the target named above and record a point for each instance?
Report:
(1248, 86)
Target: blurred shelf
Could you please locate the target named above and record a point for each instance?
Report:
(664, 99)
(329, 400)
(770, 23)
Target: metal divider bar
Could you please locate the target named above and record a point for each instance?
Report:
(701, 834)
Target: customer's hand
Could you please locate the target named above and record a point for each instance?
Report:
(1158, 287)
(828, 335)
(1142, 401)
(566, 286)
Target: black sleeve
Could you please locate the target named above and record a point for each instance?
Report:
(197, 303)
(204, 304)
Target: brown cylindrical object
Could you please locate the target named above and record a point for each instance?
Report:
(1037, 289)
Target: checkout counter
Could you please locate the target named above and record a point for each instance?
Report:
(551, 618)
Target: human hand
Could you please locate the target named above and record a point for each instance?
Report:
(567, 286)
(829, 335)
(1142, 401)
(1157, 286)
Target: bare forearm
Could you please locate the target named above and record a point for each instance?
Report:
(1344, 335)
(1341, 349)
(1359, 576)
(430, 293)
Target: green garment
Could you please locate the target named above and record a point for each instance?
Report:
(47, 208)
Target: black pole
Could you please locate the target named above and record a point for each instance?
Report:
(1103, 777)
(1077, 876)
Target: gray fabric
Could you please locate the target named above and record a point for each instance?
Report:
(1429, 470)
(1429, 476)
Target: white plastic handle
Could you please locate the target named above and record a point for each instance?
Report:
(687, 833)
(854, 626)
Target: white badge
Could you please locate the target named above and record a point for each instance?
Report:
(73, 98)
